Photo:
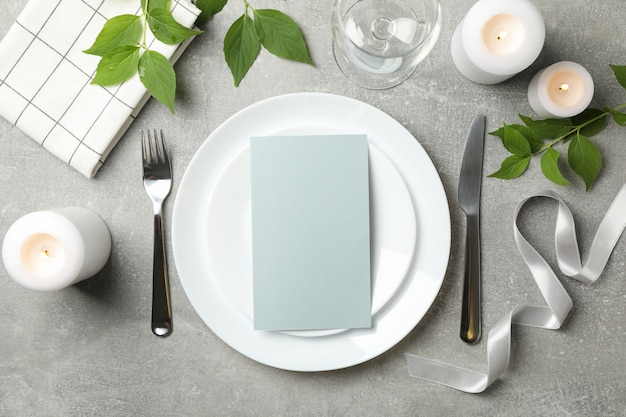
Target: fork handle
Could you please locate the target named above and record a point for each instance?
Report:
(471, 306)
(161, 303)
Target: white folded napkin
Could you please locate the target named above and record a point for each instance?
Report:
(45, 78)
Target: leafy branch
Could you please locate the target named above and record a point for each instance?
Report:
(272, 29)
(123, 49)
(542, 136)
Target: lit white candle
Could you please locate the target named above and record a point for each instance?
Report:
(497, 39)
(52, 249)
(561, 90)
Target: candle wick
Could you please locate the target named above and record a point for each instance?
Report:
(502, 35)
(564, 88)
(45, 253)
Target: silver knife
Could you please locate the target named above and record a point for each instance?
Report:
(469, 200)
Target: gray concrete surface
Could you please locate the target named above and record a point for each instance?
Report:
(88, 350)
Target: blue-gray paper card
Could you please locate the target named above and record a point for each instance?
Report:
(310, 232)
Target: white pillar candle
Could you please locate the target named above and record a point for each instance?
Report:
(52, 249)
(561, 90)
(497, 39)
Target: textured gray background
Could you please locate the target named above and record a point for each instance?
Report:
(88, 350)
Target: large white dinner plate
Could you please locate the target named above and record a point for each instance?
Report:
(310, 113)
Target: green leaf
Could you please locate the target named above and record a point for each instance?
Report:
(619, 117)
(515, 142)
(241, 47)
(157, 75)
(500, 132)
(209, 8)
(594, 127)
(550, 167)
(280, 35)
(534, 140)
(548, 128)
(117, 66)
(620, 74)
(149, 6)
(512, 167)
(166, 29)
(585, 159)
(123, 30)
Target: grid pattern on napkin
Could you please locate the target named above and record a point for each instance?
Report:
(45, 78)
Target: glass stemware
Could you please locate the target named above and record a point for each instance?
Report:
(378, 43)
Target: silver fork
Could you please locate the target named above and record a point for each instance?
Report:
(157, 180)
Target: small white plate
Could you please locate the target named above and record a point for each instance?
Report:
(392, 220)
(308, 113)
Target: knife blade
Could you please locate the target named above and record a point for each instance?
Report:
(470, 179)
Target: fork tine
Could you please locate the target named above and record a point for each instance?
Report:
(155, 152)
(162, 147)
(144, 149)
(153, 149)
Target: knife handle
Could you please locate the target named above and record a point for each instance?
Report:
(471, 308)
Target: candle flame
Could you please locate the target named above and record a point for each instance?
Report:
(44, 254)
(502, 35)
(564, 87)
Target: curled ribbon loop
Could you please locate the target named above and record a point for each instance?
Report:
(558, 302)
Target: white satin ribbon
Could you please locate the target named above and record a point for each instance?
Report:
(559, 303)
